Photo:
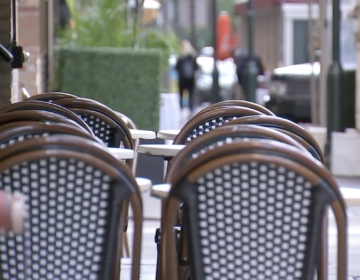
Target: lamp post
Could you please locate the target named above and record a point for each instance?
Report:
(335, 105)
(251, 71)
(192, 23)
(215, 96)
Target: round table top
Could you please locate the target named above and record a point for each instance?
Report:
(120, 153)
(142, 134)
(160, 190)
(160, 150)
(143, 183)
(168, 134)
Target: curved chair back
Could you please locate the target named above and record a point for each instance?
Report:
(206, 122)
(75, 192)
(50, 96)
(37, 116)
(280, 123)
(237, 103)
(252, 212)
(226, 135)
(48, 107)
(103, 121)
(14, 132)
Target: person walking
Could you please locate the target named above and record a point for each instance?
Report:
(186, 67)
(241, 57)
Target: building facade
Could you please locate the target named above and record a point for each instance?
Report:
(281, 34)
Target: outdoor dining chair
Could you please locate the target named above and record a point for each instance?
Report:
(219, 137)
(106, 125)
(206, 122)
(76, 191)
(252, 212)
(284, 125)
(237, 103)
(48, 107)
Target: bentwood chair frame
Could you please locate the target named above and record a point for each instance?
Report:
(37, 116)
(284, 125)
(14, 132)
(206, 122)
(236, 103)
(215, 138)
(50, 96)
(84, 153)
(48, 107)
(317, 188)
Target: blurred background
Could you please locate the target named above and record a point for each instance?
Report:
(132, 46)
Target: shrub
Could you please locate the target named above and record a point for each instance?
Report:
(127, 80)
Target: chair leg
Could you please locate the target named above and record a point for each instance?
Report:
(126, 247)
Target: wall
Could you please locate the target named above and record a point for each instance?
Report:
(5, 69)
(267, 35)
(202, 11)
(32, 35)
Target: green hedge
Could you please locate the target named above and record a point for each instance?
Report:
(126, 80)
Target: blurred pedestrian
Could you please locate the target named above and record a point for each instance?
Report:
(186, 67)
(241, 58)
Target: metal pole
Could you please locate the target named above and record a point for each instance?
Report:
(251, 71)
(215, 87)
(335, 107)
(311, 50)
(165, 10)
(324, 60)
(193, 27)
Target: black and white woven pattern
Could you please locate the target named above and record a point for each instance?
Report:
(22, 138)
(219, 143)
(68, 205)
(254, 222)
(100, 128)
(208, 126)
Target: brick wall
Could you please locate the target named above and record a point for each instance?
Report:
(32, 35)
(5, 67)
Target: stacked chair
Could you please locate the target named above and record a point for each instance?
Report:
(77, 193)
(248, 199)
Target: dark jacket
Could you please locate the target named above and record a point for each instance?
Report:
(186, 62)
(241, 63)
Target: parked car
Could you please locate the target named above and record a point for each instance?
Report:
(290, 95)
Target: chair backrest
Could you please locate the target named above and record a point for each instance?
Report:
(50, 96)
(280, 123)
(37, 116)
(14, 132)
(206, 122)
(225, 135)
(252, 213)
(237, 103)
(48, 107)
(75, 192)
(103, 121)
